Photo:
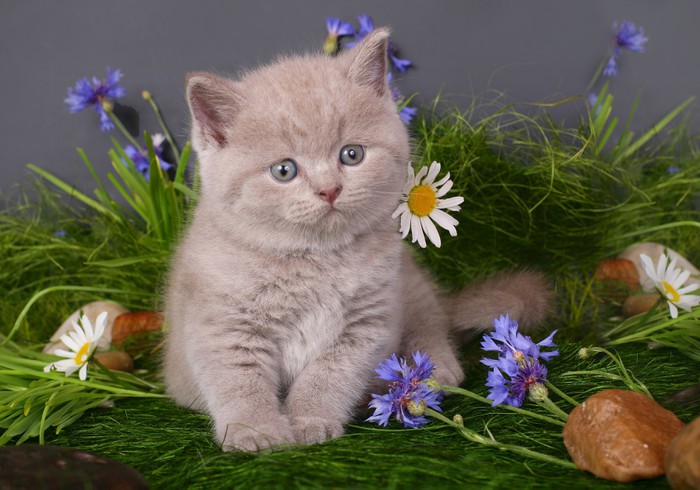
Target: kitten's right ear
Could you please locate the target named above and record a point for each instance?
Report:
(214, 103)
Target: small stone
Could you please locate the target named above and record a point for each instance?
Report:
(92, 310)
(619, 277)
(29, 466)
(639, 303)
(654, 251)
(620, 435)
(116, 360)
(131, 330)
(683, 458)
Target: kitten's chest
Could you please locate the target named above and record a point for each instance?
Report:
(309, 298)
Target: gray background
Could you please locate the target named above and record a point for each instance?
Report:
(533, 51)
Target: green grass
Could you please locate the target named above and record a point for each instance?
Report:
(536, 195)
(173, 447)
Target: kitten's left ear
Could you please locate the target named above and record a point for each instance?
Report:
(369, 61)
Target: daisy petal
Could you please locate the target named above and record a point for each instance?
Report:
(431, 231)
(688, 289)
(452, 203)
(661, 267)
(673, 309)
(445, 221)
(648, 266)
(405, 224)
(444, 189)
(443, 180)
(403, 207)
(417, 231)
(682, 277)
(432, 173)
(87, 327)
(70, 342)
(421, 173)
(78, 334)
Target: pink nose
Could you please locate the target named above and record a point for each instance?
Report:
(330, 194)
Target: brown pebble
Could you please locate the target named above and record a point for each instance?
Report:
(620, 435)
(116, 360)
(621, 270)
(639, 303)
(131, 330)
(29, 467)
(683, 458)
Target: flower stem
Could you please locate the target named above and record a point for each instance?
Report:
(474, 396)
(124, 131)
(560, 393)
(164, 127)
(490, 441)
(552, 407)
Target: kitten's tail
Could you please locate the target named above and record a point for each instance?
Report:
(525, 296)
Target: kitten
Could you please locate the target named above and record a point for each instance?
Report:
(292, 281)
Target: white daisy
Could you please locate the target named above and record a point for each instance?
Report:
(669, 282)
(422, 205)
(82, 341)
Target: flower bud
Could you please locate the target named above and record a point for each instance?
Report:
(432, 384)
(330, 45)
(538, 392)
(146, 95)
(583, 353)
(107, 106)
(417, 408)
(459, 420)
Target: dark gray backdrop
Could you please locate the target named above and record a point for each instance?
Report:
(536, 50)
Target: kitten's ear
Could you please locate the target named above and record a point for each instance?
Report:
(369, 61)
(214, 103)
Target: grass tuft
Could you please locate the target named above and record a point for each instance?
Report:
(536, 195)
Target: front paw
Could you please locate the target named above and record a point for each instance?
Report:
(448, 371)
(240, 436)
(314, 430)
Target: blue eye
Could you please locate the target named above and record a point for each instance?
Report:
(351, 154)
(284, 171)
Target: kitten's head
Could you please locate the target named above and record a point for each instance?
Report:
(306, 153)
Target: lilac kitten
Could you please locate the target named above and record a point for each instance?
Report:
(292, 280)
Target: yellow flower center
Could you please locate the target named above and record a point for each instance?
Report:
(422, 200)
(82, 356)
(671, 293)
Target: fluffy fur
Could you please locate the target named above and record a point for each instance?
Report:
(284, 296)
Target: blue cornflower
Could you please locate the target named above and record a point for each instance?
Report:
(522, 376)
(93, 93)
(406, 113)
(399, 63)
(610, 68)
(518, 357)
(140, 158)
(367, 26)
(411, 391)
(511, 341)
(628, 37)
(336, 29)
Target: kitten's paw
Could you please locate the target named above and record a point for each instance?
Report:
(314, 430)
(448, 371)
(239, 436)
